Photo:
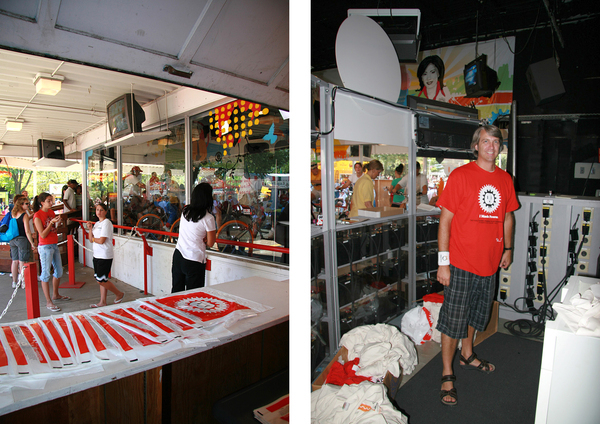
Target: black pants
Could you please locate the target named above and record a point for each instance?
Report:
(186, 274)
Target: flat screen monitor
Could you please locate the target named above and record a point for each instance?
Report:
(50, 149)
(125, 116)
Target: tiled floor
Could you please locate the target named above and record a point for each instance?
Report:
(80, 298)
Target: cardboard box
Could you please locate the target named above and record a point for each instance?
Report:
(392, 383)
(491, 328)
(380, 212)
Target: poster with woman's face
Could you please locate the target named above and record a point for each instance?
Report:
(439, 75)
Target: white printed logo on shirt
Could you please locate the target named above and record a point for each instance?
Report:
(489, 198)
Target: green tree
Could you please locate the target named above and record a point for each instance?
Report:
(390, 161)
(45, 178)
(15, 180)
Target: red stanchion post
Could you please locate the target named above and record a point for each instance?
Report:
(31, 290)
(72, 284)
(85, 237)
(147, 252)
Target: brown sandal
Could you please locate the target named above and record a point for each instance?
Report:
(484, 365)
(452, 392)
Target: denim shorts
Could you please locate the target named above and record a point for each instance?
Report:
(50, 256)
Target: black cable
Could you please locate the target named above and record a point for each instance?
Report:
(530, 34)
(525, 328)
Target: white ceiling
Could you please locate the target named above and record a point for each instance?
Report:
(233, 47)
(77, 108)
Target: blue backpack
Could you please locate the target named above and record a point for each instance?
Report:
(12, 232)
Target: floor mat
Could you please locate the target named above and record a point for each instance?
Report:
(508, 395)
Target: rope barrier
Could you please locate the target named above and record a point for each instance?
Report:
(170, 234)
(128, 237)
(20, 283)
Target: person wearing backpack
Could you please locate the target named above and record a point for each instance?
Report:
(22, 245)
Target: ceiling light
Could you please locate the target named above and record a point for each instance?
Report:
(48, 84)
(14, 124)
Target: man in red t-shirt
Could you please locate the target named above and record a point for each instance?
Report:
(475, 237)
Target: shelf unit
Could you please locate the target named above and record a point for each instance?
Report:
(357, 278)
(361, 273)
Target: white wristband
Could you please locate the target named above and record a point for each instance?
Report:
(443, 258)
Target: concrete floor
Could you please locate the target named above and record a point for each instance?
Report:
(81, 298)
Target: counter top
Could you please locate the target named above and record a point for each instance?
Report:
(267, 292)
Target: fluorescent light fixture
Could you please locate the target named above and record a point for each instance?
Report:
(14, 124)
(48, 84)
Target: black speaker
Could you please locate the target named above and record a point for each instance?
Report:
(544, 81)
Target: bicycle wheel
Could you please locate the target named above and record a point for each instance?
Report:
(174, 229)
(151, 222)
(235, 231)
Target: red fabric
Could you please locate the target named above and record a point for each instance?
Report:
(46, 217)
(479, 201)
(283, 402)
(202, 305)
(33, 343)
(344, 374)
(434, 298)
(14, 345)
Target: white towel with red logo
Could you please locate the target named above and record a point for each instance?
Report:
(365, 403)
(381, 348)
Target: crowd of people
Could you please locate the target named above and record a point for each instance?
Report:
(37, 228)
(357, 191)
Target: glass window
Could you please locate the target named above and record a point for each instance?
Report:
(102, 182)
(154, 182)
(242, 149)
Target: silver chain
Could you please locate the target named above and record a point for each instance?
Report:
(20, 283)
(21, 277)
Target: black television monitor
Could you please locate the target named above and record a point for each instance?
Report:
(480, 79)
(125, 116)
(50, 149)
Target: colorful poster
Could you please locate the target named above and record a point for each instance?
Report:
(500, 58)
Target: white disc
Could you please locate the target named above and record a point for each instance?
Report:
(366, 59)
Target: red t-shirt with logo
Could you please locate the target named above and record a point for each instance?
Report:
(46, 217)
(479, 201)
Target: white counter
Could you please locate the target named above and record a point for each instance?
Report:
(267, 292)
(569, 376)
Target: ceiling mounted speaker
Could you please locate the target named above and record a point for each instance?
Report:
(366, 59)
(545, 81)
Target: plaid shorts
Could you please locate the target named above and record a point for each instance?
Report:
(467, 302)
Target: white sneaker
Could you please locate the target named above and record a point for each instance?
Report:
(14, 284)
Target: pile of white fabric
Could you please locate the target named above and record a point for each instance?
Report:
(381, 348)
(582, 312)
(364, 403)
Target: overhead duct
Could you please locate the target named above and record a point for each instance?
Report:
(402, 27)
